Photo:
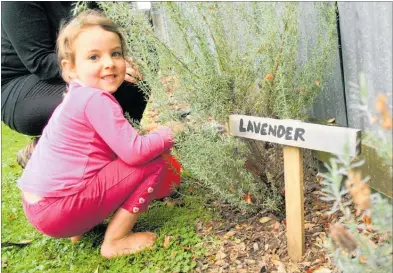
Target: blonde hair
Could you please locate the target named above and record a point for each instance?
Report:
(70, 31)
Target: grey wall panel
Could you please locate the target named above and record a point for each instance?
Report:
(366, 35)
(330, 103)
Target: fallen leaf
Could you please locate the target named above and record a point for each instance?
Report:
(332, 120)
(308, 225)
(229, 234)
(264, 220)
(167, 241)
(323, 270)
(96, 271)
(247, 198)
(276, 226)
(220, 255)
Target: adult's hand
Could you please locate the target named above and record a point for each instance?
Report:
(132, 73)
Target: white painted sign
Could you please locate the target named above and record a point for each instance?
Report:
(297, 133)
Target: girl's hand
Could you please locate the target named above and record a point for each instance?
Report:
(132, 74)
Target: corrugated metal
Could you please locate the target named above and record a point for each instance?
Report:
(366, 35)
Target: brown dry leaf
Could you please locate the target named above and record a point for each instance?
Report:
(264, 220)
(167, 241)
(323, 270)
(247, 198)
(220, 255)
(332, 120)
(359, 191)
(276, 226)
(309, 225)
(230, 234)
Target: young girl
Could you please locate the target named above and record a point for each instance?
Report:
(89, 161)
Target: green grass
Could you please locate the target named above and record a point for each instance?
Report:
(45, 254)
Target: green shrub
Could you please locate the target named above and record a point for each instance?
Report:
(231, 58)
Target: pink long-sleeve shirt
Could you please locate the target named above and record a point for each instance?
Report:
(86, 132)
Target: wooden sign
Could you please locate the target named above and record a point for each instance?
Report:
(295, 134)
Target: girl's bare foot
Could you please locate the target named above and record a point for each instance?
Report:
(76, 239)
(130, 244)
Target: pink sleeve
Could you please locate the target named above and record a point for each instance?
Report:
(106, 117)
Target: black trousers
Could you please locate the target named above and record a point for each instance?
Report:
(28, 102)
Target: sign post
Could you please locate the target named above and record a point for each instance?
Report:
(295, 134)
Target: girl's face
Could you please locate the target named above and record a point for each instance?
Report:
(99, 62)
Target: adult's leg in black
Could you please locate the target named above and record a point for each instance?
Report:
(132, 99)
(29, 103)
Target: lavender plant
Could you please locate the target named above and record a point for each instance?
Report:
(228, 58)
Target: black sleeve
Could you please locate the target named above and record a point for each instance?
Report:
(28, 28)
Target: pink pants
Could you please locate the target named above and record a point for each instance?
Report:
(116, 185)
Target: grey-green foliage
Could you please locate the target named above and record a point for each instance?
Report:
(376, 137)
(227, 58)
(231, 47)
(367, 257)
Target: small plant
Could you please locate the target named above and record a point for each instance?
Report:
(361, 241)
